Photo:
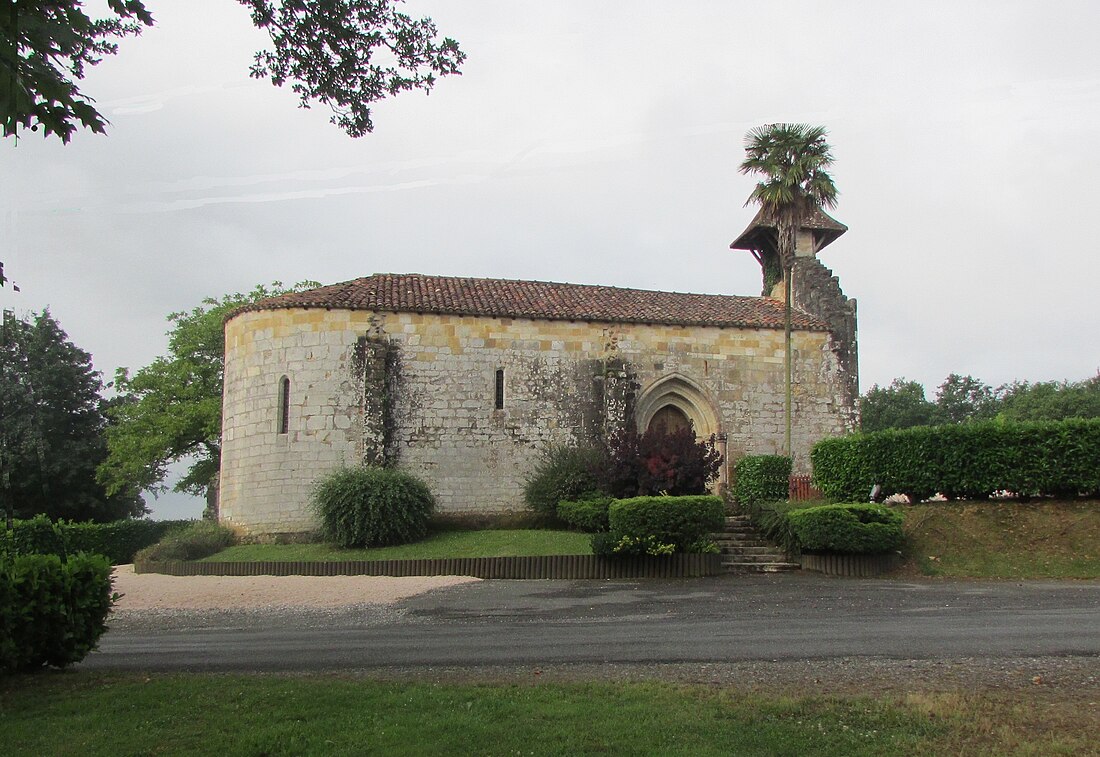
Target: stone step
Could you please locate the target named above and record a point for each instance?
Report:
(744, 550)
(770, 567)
(754, 541)
(762, 549)
(755, 559)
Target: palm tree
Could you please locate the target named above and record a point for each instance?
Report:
(792, 161)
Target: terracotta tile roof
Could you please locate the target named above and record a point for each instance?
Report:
(416, 293)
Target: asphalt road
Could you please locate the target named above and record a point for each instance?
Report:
(727, 619)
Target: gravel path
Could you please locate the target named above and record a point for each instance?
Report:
(155, 591)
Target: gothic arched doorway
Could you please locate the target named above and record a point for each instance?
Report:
(669, 419)
(678, 402)
(675, 400)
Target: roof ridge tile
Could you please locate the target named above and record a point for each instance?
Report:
(539, 300)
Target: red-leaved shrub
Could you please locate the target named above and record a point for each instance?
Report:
(657, 462)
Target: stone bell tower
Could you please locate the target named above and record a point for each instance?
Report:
(814, 288)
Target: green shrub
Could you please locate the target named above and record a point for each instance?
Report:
(847, 528)
(963, 461)
(370, 507)
(683, 522)
(603, 544)
(52, 612)
(563, 473)
(200, 538)
(642, 545)
(762, 478)
(586, 514)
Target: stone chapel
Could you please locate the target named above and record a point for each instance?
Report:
(464, 382)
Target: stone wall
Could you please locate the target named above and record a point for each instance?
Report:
(419, 390)
(815, 290)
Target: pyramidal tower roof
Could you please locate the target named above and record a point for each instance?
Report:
(760, 233)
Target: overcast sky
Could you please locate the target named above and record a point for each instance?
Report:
(596, 143)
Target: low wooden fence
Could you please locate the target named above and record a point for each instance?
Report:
(801, 488)
(854, 566)
(553, 566)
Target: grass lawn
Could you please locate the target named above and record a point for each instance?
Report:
(88, 714)
(1004, 539)
(502, 543)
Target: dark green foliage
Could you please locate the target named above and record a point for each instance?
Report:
(847, 529)
(44, 47)
(372, 507)
(118, 540)
(963, 461)
(52, 612)
(586, 514)
(761, 487)
(1050, 400)
(563, 473)
(964, 398)
(325, 49)
(52, 432)
(762, 478)
(684, 522)
(900, 405)
(658, 463)
(313, 40)
(604, 543)
(198, 539)
(773, 271)
(37, 536)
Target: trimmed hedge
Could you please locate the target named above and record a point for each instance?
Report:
(586, 514)
(37, 536)
(366, 506)
(762, 478)
(119, 540)
(52, 612)
(971, 460)
(650, 525)
(847, 528)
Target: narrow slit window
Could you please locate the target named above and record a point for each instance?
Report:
(500, 389)
(284, 405)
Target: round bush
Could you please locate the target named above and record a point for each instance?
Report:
(370, 507)
(847, 529)
(196, 540)
(563, 473)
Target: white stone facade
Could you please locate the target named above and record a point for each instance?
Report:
(420, 390)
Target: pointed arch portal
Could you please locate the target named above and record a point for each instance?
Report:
(673, 400)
